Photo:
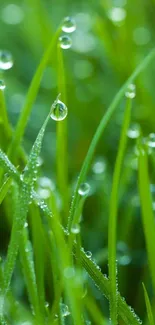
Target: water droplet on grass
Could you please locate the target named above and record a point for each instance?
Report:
(75, 229)
(44, 193)
(89, 254)
(69, 25)
(84, 189)
(2, 84)
(131, 91)
(59, 111)
(134, 131)
(6, 60)
(65, 310)
(25, 225)
(65, 42)
(151, 140)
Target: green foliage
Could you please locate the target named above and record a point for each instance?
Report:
(58, 243)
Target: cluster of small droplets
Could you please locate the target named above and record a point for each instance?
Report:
(6, 60)
(59, 110)
(68, 26)
(131, 91)
(2, 84)
(84, 189)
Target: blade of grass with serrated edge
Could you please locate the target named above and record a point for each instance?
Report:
(38, 249)
(147, 211)
(31, 96)
(62, 152)
(148, 306)
(25, 190)
(100, 129)
(112, 227)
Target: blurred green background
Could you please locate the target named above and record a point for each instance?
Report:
(112, 37)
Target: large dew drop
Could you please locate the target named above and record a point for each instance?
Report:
(2, 85)
(6, 60)
(75, 229)
(65, 42)
(58, 111)
(84, 189)
(131, 91)
(69, 25)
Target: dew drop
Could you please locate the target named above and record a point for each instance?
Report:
(2, 84)
(65, 310)
(134, 131)
(69, 25)
(59, 111)
(6, 60)
(151, 140)
(89, 254)
(25, 225)
(65, 42)
(84, 189)
(75, 229)
(131, 91)
(44, 193)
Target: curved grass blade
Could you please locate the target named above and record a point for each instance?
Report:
(6, 164)
(147, 211)
(113, 215)
(100, 130)
(62, 152)
(148, 306)
(31, 96)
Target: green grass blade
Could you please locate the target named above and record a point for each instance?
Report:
(6, 164)
(113, 215)
(147, 212)
(62, 152)
(101, 128)
(5, 188)
(31, 96)
(3, 116)
(148, 306)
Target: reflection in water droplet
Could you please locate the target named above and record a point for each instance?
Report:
(134, 131)
(2, 84)
(59, 111)
(69, 25)
(84, 189)
(151, 140)
(6, 60)
(65, 310)
(75, 229)
(65, 42)
(131, 91)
